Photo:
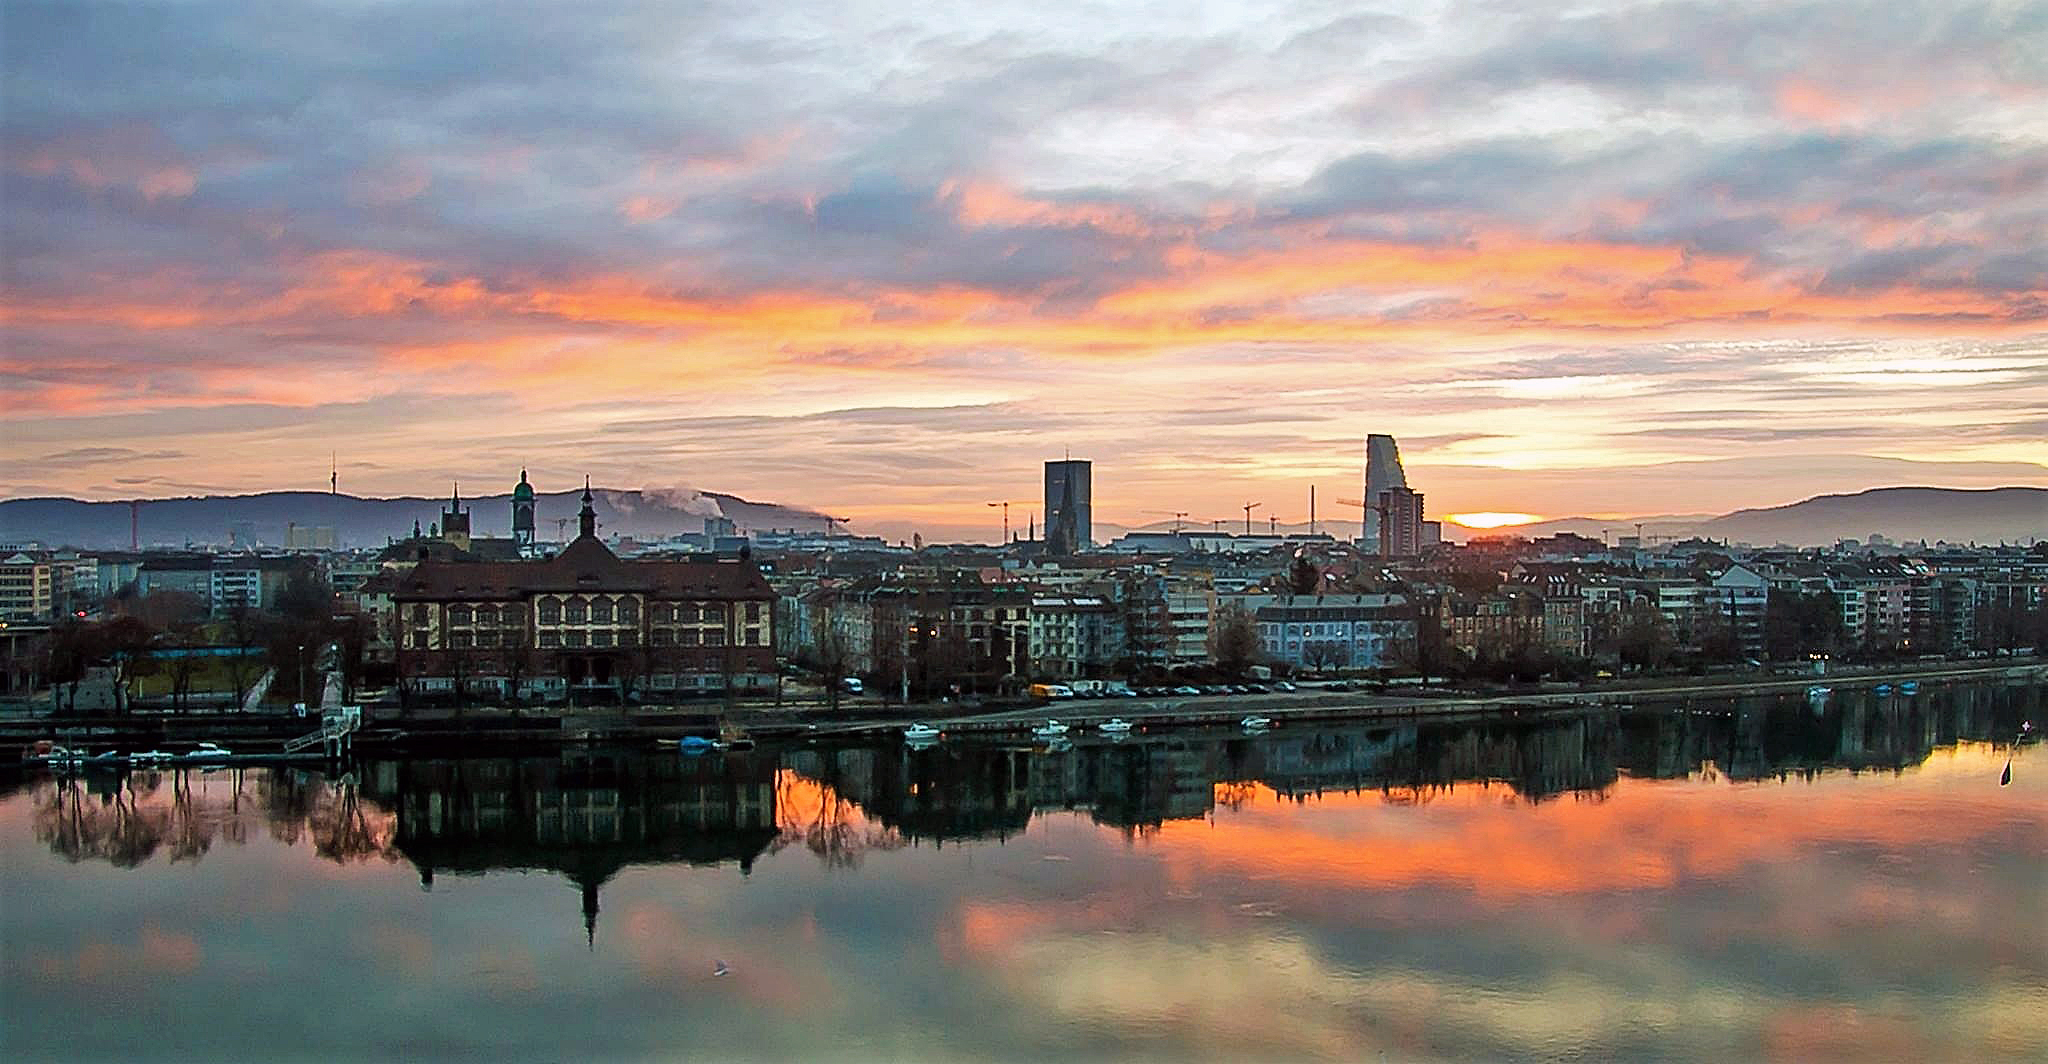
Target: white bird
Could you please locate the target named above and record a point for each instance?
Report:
(719, 968)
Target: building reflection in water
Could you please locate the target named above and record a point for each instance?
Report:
(588, 813)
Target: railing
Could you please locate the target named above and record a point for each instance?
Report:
(333, 734)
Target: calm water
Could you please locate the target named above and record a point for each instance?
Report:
(1743, 880)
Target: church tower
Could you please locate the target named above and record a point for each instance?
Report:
(455, 522)
(522, 514)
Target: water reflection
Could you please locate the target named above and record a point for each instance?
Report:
(588, 812)
(1606, 884)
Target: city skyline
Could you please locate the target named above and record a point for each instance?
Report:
(884, 270)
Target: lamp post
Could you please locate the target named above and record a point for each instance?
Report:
(302, 673)
(904, 661)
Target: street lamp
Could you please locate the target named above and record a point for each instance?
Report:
(904, 661)
(302, 673)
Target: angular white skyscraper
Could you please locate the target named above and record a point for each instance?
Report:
(1383, 473)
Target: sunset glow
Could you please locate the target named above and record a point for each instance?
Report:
(1210, 256)
(1491, 520)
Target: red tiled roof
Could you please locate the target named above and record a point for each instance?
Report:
(585, 565)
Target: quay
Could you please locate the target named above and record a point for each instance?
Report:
(386, 731)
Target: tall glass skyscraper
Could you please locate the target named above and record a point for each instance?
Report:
(1069, 509)
(1393, 513)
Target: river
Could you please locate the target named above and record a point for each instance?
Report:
(1739, 878)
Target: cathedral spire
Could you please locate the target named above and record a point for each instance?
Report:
(586, 520)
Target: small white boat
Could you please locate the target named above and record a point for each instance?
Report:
(1817, 692)
(921, 733)
(151, 757)
(1255, 722)
(208, 752)
(1050, 730)
(1115, 726)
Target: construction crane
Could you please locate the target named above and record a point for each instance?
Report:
(1177, 515)
(1005, 504)
(831, 520)
(1248, 508)
(561, 529)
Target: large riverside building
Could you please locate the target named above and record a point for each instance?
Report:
(584, 620)
(1069, 506)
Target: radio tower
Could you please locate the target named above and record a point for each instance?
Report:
(334, 474)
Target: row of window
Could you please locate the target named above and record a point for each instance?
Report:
(421, 639)
(552, 610)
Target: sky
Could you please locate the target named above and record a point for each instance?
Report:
(883, 259)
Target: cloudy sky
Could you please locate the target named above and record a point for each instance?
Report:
(883, 259)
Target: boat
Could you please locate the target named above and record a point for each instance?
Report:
(1910, 687)
(1255, 722)
(1817, 692)
(152, 757)
(921, 733)
(1884, 688)
(1051, 729)
(733, 737)
(208, 752)
(1115, 726)
(696, 744)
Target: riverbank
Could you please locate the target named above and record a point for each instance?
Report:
(392, 732)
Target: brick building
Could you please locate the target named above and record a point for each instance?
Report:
(584, 621)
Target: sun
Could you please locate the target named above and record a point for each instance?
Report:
(1490, 519)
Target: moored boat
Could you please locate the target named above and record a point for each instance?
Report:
(1255, 722)
(921, 732)
(1115, 726)
(1051, 729)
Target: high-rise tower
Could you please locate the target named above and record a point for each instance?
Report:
(1393, 514)
(1069, 506)
(522, 514)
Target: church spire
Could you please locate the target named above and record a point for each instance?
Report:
(586, 520)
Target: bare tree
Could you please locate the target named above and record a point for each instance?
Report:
(1233, 638)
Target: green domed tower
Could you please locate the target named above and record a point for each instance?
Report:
(522, 513)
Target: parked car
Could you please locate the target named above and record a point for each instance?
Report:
(1187, 690)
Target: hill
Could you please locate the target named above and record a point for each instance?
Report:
(369, 522)
(1957, 515)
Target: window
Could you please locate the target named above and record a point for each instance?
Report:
(600, 639)
(487, 638)
(663, 637)
(550, 611)
(574, 612)
(572, 639)
(754, 612)
(689, 637)
(550, 639)
(419, 614)
(753, 637)
(601, 611)
(460, 615)
(714, 638)
(460, 640)
(419, 639)
(628, 637)
(629, 612)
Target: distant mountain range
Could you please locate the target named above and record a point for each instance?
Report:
(1905, 515)
(1956, 515)
(368, 522)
